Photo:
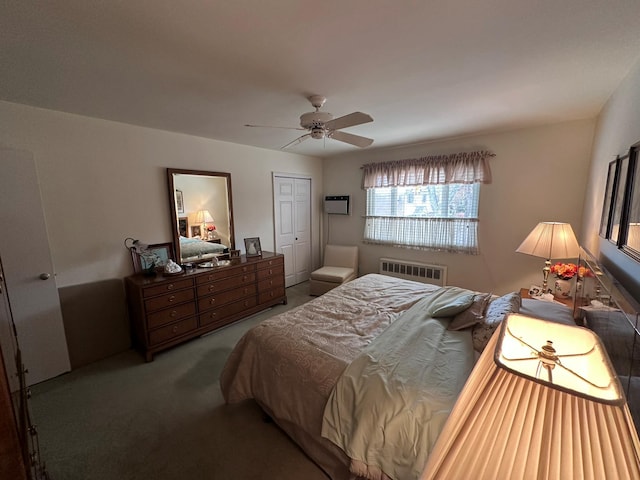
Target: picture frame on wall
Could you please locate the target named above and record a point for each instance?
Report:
(179, 201)
(157, 255)
(617, 200)
(183, 226)
(252, 247)
(605, 221)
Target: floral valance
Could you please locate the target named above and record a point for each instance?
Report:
(465, 167)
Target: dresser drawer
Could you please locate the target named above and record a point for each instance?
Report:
(219, 314)
(271, 294)
(169, 315)
(276, 270)
(174, 330)
(272, 262)
(225, 273)
(164, 301)
(167, 287)
(214, 301)
(270, 283)
(226, 284)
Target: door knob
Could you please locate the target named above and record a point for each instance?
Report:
(45, 276)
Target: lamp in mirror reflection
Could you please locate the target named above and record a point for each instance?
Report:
(550, 240)
(529, 412)
(205, 220)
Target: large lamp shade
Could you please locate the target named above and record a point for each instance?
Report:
(543, 402)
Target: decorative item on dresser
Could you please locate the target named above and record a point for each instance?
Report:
(167, 311)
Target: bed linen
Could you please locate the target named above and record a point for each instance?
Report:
(390, 404)
(196, 248)
(290, 363)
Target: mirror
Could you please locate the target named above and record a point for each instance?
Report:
(201, 214)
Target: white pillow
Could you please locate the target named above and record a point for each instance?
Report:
(497, 310)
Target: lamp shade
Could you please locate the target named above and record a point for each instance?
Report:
(551, 240)
(512, 421)
(203, 216)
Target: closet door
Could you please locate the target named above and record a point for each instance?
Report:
(292, 206)
(28, 269)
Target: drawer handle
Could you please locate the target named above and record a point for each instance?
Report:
(272, 294)
(174, 329)
(212, 315)
(211, 288)
(246, 303)
(170, 286)
(244, 279)
(171, 298)
(210, 277)
(173, 313)
(270, 272)
(271, 283)
(212, 301)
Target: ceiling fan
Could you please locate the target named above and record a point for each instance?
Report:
(323, 125)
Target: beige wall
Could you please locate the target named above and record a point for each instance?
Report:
(618, 128)
(539, 174)
(104, 181)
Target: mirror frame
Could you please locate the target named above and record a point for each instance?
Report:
(174, 211)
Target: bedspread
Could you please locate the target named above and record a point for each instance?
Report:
(290, 362)
(391, 402)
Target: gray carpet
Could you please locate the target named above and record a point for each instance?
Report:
(121, 418)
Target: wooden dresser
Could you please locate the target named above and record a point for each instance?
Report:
(167, 310)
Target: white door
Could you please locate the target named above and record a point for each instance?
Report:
(292, 204)
(28, 269)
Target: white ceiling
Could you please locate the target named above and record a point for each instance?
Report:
(424, 70)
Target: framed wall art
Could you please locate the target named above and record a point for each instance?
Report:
(605, 221)
(179, 201)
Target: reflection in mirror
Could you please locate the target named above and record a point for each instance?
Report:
(201, 214)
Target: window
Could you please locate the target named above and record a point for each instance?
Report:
(433, 204)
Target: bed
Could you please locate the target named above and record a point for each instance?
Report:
(193, 248)
(326, 371)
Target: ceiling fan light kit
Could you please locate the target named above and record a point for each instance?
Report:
(322, 125)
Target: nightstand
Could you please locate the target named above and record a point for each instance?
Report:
(215, 240)
(524, 293)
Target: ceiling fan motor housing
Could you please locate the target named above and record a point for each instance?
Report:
(314, 119)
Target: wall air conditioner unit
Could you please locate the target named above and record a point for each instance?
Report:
(336, 204)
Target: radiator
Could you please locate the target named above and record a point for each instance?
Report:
(419, 272)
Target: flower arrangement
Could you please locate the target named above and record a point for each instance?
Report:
(211, 228)
(565, 271)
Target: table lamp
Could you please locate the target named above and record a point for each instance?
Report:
(550, 240)
(543, 402)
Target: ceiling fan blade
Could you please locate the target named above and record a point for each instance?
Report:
(296, 141)
(272, 126)
(355, 118)
(356, 140)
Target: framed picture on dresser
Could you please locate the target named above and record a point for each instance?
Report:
(252, 247)
(156, 255)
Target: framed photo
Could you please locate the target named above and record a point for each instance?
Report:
(196, 231)
(179, 201)
(158, 255)
(183, 226)
(605, 221)
(252, 247)
(535, 291)
(617, 200)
